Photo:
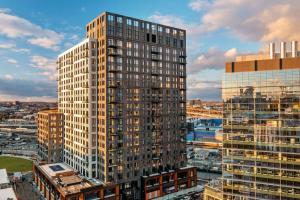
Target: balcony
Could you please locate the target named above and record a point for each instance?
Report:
(264, 175)
(253, 143)
(155, 99)
(182, 61)
(267, 159)
(182, 126)
(114, 100)
(156, 113)
(155, 51)
(268, 191)
(154, 72)
(113, 52)
(182, 75)
(114, 84)
(155, 57)
(113, 68)
(182, 100)
(112, 45)
(155, 85)
(115, 115)
(182, 113)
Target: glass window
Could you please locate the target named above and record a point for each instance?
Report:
(110, 18)
(119, 19)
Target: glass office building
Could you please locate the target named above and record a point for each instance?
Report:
(261, 142)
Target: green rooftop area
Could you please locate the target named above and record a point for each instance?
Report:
(15, 164)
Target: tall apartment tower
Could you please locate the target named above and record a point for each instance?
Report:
(142, 95)
(261, 95)
(124, 94)
(77, 100)
(50, 135)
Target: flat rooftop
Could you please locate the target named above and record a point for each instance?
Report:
(7, 193)
(3, 177)
(65, 178)
(50, 111)
(56, 169)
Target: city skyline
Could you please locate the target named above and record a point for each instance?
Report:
(217, 31)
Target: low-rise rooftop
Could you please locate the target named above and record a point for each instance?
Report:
(7, 193)
(3, 177)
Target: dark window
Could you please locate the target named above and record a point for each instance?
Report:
(148, 37)
(154, 38)
(181, 43)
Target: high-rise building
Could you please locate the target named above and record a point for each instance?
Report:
(50, 135)
(77, 100)
(123, 93)
(261, 143)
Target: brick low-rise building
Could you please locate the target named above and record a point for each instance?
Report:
(50, 135)
(58, 181)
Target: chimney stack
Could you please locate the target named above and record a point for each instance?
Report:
(282, 50)
(294, 49)
(272, 50)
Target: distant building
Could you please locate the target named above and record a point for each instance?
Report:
(261, 140)
(50, 135)
(194, 102)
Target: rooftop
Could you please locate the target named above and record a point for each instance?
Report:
(50, 111)
(3, 177)
(56, 169)
(65, 178)
(284, 52)
(7, 193)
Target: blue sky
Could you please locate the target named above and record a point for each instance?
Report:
(34, 32)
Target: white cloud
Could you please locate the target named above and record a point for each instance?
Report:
(42, 62)
(7, 45)
(5, 10)
(12, 61)
(212, 59)
(46, 65)
(198, 5)
(255, 21)
(207, 90)
(44, 42)
(8, 77)
(171, 20)
(13, 47)
(262, 20)
(16, 27)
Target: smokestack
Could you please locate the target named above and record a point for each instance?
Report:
(282, 50)
(294, 49)
(272, 50)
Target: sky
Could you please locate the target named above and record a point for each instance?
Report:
(34, 32)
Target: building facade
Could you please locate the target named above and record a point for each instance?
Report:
(50, 135)
(123, 93)
(261, 125)
(77, 100)
(213, 190)
(170, 184)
